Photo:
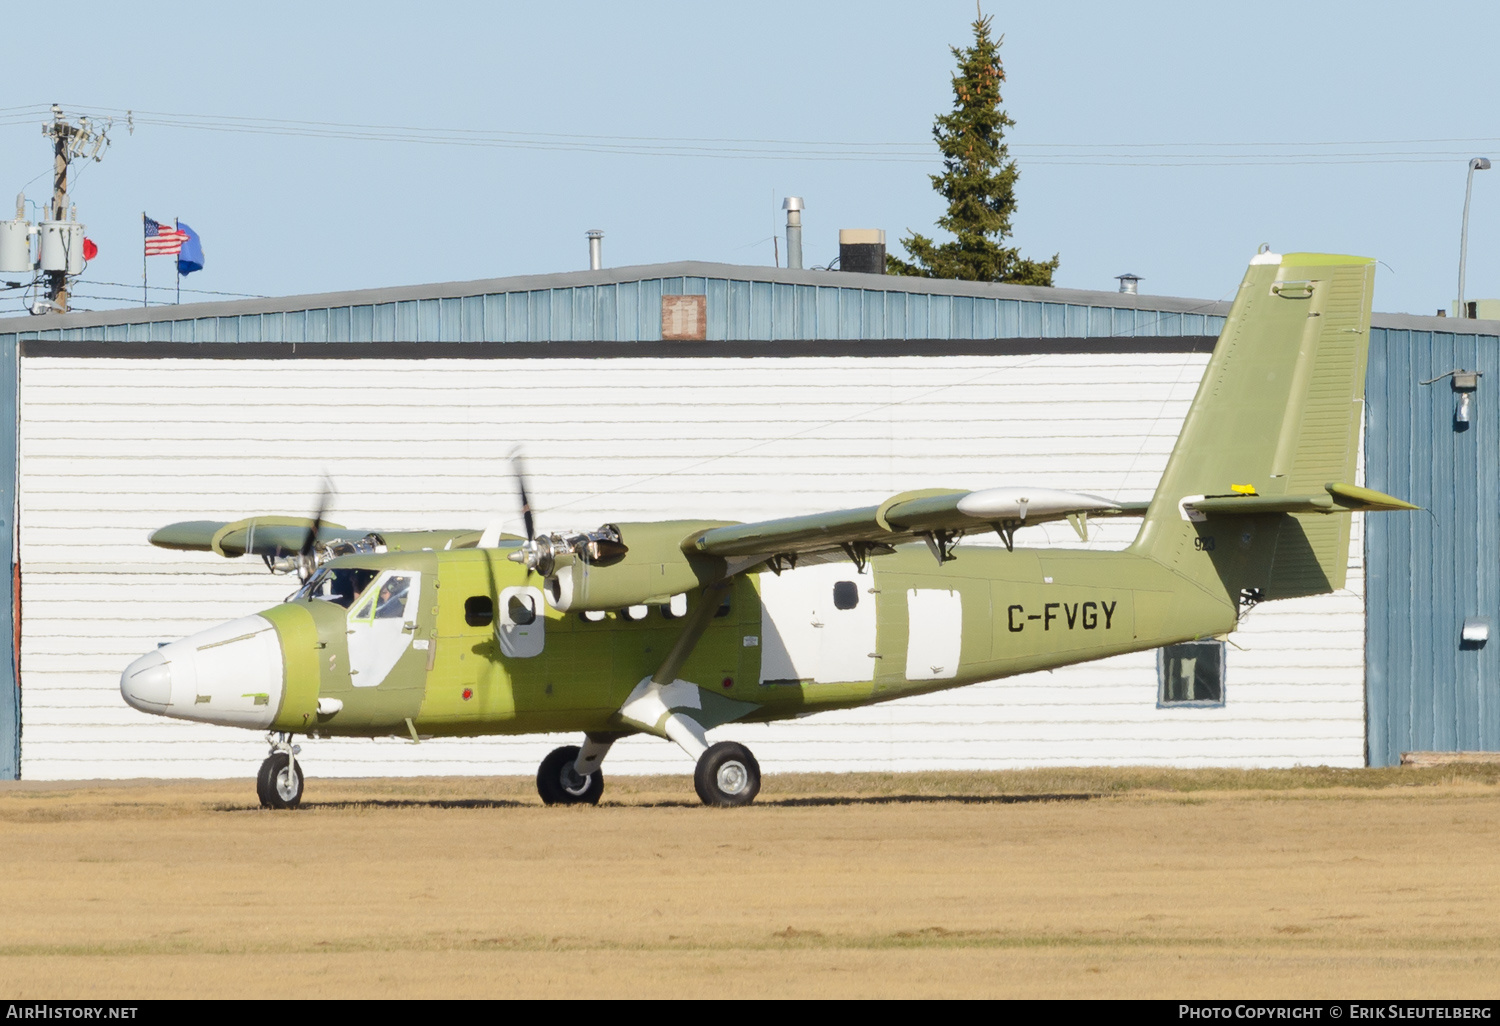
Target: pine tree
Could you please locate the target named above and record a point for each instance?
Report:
(978, 181)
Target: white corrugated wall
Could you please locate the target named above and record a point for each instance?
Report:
(111, 449)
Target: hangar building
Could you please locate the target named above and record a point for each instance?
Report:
(773, 392)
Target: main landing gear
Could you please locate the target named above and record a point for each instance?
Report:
(726, 775)
(279, 782)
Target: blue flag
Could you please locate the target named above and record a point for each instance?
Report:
(190, 257)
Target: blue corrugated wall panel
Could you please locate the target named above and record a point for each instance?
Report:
(627, 311)
(10, 687)
(585, 299)
(630, 311)
(649, 325)
(1428, 572)
(606, 313)
(739, 310)
(718, 308)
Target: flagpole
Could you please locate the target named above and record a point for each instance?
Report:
(178, 225)
(145, 300)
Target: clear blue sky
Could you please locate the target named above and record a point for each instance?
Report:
(1164, 139)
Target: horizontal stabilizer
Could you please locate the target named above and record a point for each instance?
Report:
(1335, 498)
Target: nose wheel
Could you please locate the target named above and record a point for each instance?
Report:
(559, 782)
(279, 782)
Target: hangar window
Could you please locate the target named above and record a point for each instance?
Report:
(1191, 674)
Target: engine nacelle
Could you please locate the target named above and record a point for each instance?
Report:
(653, 569)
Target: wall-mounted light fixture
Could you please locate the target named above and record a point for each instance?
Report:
(1476, 631)
(1465, 383)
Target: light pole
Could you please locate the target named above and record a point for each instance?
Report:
(1477, 164)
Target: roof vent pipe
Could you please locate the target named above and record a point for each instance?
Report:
(793, 207)
(1128, 283)
(596, 249)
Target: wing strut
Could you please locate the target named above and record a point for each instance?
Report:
(692, 631)
(661, 704)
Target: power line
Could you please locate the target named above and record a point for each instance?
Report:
(168, 288)
(1109, 154)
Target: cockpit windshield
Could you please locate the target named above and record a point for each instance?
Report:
(339, 585)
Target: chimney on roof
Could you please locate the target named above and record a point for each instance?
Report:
(793, 207)
(1128, 283)
(596, 249)
(862, 250)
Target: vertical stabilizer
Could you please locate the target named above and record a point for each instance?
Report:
(1276, 421)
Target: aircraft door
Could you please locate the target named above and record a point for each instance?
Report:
(818, 625)
(382, 625)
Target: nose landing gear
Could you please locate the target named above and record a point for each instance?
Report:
(559, 781)
(279, 782)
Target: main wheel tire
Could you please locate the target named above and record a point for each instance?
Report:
(277, 785)
(727, 775)
(560, 784)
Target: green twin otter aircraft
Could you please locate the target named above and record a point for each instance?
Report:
(675, 628)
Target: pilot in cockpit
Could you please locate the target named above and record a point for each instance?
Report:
(391, 603)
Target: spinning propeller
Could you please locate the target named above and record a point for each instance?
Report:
(306, 558)
(547, 553)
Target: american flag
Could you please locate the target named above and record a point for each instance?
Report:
(161, 240)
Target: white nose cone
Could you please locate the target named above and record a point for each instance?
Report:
(230, 674)
(147, 683)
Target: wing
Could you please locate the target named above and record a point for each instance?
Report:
(275, 537)
(938, 516)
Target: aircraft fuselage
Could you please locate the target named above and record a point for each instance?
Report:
(474, 648)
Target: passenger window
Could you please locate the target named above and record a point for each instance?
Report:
(592, 615)
(479, 611)
(723, 609)
(522, 609)
(390, 600)
(845, 595)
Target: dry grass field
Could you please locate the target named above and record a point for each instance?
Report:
(1094, 883)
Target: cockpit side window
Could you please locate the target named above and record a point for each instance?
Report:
(390, 601)
(386, 599)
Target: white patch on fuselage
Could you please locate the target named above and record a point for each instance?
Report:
(805, 637)
(378, 634)
(229, 674)
(935, 618)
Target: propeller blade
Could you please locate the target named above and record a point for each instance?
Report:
(325, 502)
(519, 472)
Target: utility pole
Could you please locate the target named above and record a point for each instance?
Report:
(69, 142)
(62, 135)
